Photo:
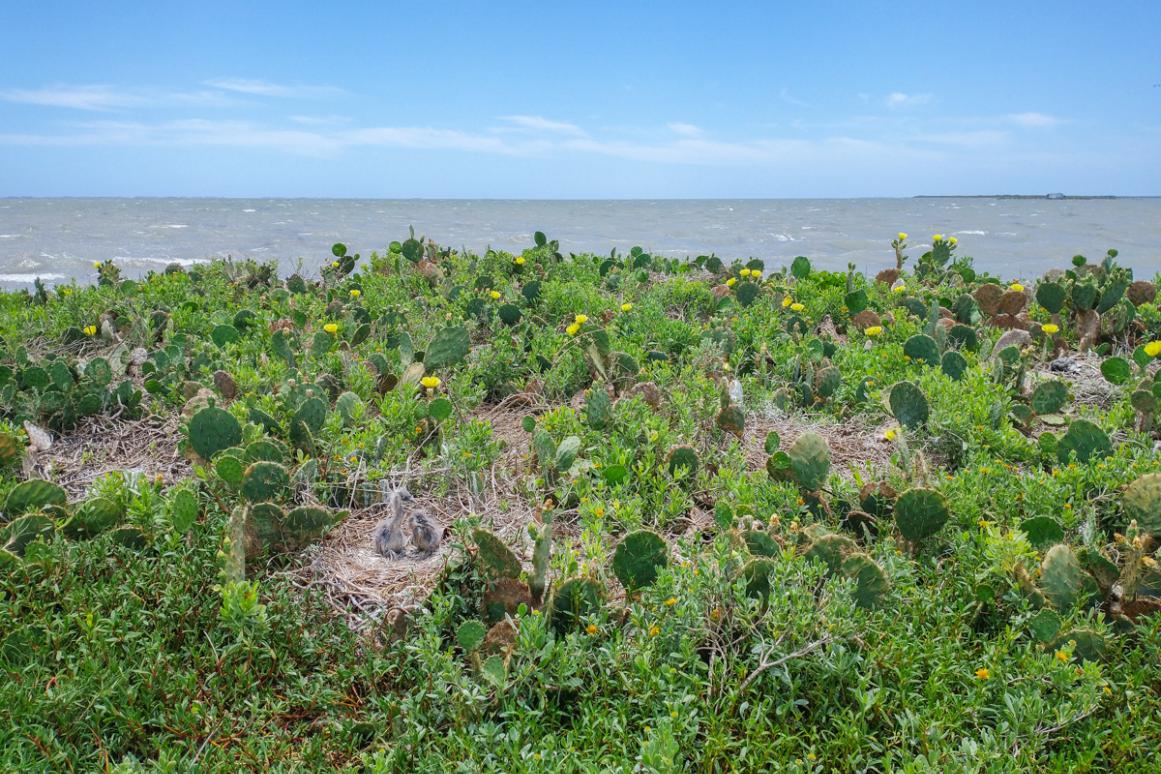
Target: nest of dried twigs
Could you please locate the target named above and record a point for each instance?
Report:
(854, 443)
(101, 444)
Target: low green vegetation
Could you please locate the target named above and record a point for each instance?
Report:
(700, 516)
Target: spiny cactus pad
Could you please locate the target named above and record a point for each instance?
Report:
(871, 582)
(1063, 579)
(1085, 440)
(922, 347)
(756, 573)
(92, 518)
(909, 405)
(449, 347)
(573, 600)
(495, 558)
(809, 461)
(213, 429)
(1049, 397)
(1142, 503)
(683, 457)
(32, 495)
(920, 513)
(19, 532)
(831, 550)
(264, 481)
(638, 557)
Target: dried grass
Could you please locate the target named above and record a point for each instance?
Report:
(101, 444)
(1085, 381)
(854, 442)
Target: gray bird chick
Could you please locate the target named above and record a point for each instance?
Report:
(425, 532)
(388, 535)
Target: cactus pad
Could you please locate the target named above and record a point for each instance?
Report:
(1085, 440)
(920, 513)
(638, 557)
(1063, 579)
(573, 600)
(213, 429)
(809, 461)
(495, 558)
(264, 481)
(909, 405)
(871, 582)
(1142, 503)
(32, 495)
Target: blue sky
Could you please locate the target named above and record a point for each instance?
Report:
(592, 100)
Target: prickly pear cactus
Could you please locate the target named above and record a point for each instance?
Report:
(1049, 397)
(213, 429)
(831, 550)
(19, 532)
(1062, 578)
(496, 559)
(1085, 440)
(909, 405)
(449, 347)
(573, 600)
(809, 461)
(871, 582)
(922, 347)
(598, 408)
(32, 495)
(756, 573)
(683, 457)
(92, 518)
(920, 513)
(264, 481)
(306, 524)
(1142, 502)
(638, 557)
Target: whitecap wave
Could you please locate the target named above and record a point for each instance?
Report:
(28, 279)
(171, 225)
(975, 233)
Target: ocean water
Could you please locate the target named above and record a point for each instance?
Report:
(58, 239)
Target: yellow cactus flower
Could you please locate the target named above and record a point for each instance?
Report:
(982, 673)
(787, 302)
(1153, 348)
(90, 330)
(626, 307)
(1050, 328)
(937, 238)
(331, 328)
(899, 289)
(1016, 286)
(519, 260)
(874, 330)
(952, 241)
(581, 319)
(430, 382)
(334, 264)
(671, 602)
(890, 435)
(572, 330)
(902, 235)
(355, 292)
(494, 295)
(755, 274)
(744, 272)
(731, 282)
(797, 307)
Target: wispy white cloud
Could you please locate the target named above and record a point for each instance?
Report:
(898, 99)
(684, 129)
(785, 95)
(95, 97)
(260, 88)
(542, 124)
(1033, 120)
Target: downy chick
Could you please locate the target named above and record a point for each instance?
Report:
(425, 532)
(389, 539)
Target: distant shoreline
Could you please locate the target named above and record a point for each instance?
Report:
(1048, 197)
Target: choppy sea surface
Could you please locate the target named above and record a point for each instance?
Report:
(58, 239)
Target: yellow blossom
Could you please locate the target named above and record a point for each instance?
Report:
(982, 673)
(902, 236)
(671, 602)
(519, 261)
(787, 302)
(1061, 655)
(755, 274)
(1050, 328)
(334, 264)
(874, 330)
(745, 272)
(1016, 286)
(430, 382)
(937, 238)
(599, 511)
(1153, 348)
(591, 629)
(890, 435)
(355, 293)
(797, 307)
(899, 289)
(572, 330)
(494, 295)
(626, 307)
(90, 330)
(953, 241)
(331, 328)
(96, 264)
(581, 319)
(731, 282)
(654, 630)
